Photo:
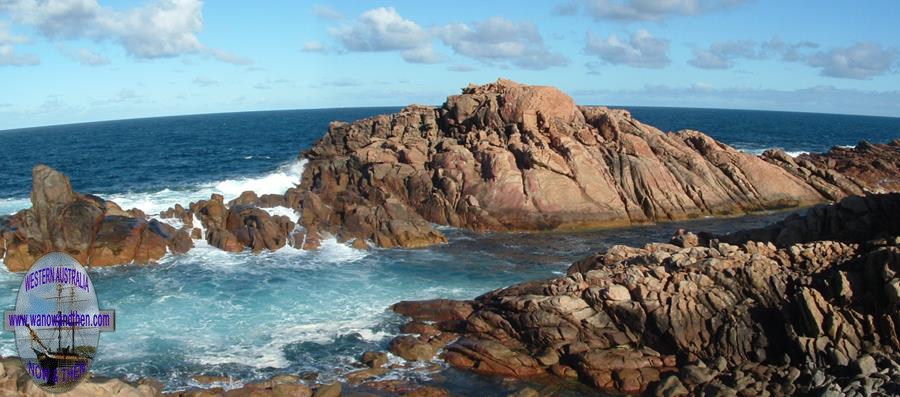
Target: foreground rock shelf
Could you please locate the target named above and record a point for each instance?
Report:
(796, 314)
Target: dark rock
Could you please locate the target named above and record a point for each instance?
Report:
(374, 359)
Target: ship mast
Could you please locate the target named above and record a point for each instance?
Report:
(59, 312)
(35, 338)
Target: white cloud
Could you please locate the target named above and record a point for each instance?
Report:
(823, 98)
(653, 10)
(421, 55)
(641, 50)
(500, 40)
(124, 95)
(495, 40)
(84, 56)
(157, 29)
(722, 55)
(326, 12)
(314, 46)
(461, 68)
(270, 83)
(8, 54)
(858, 61)
(382, 29)
(228, 57)
(204, 81)
(564, 9)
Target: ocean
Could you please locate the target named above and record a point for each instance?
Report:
(253, 316)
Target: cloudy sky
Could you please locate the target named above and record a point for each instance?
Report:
(68, 61)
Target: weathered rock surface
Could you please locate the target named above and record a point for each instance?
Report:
(751, 318)
(875, 167)
(97, 232)
(240, 224)
(506, 156)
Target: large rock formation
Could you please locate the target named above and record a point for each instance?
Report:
(98, 232)
(506, 156)
(94, 231)
(749, 317)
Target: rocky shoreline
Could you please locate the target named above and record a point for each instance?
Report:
(808, 305)
(498, 157)
(812, 311)
(805, 306)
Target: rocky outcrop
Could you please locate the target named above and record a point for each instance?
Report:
(876, 167)
(506, 156)
(96, 232)
(240, 224)
(855, 219)
(705, 316)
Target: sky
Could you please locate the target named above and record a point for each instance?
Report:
(68, 61)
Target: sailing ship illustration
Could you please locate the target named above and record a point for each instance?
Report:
(67, 362)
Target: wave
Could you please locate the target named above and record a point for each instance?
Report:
(758, 152)
(276, 182)
(9, 206)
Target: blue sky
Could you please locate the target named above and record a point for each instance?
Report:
(82, 60)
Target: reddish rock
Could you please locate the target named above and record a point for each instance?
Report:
(257, 229)
(620, 318)
(434, 310)
(506, 156)
(411, 348)
(117, 240)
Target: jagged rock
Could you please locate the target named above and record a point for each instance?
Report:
(873, 166)
(506, 156)
(256, 229)
(853, 219)
(94, 231)
(625, 318)
(865, 365)
(670, 387)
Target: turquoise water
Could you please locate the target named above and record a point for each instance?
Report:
(253, 316)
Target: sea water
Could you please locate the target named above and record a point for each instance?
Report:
(251, 316)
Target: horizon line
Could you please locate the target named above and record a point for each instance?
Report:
(3, 130)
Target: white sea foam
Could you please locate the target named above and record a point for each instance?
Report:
(9, 206)
(276, 182)
(758, 152)
(288, 212)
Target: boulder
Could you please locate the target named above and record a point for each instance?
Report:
(411, 348)
(256, 229)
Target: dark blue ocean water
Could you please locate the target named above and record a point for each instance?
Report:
(253, 316)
